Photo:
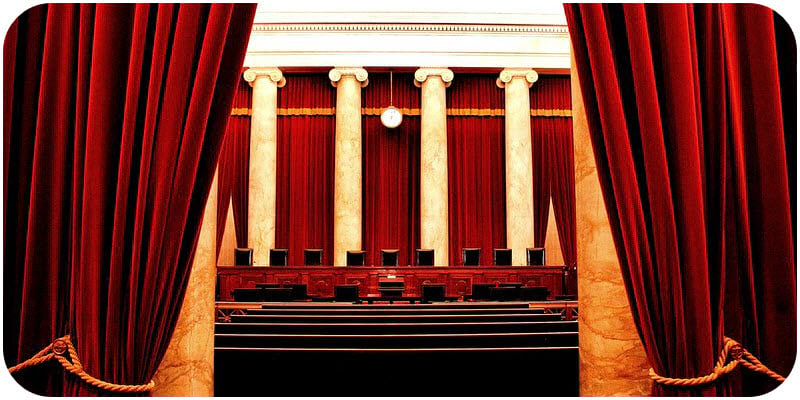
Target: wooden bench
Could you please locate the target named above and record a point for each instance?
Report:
(516, 371)
(272, 318)
(420, 340)
(397, 328)
(392, 311)
(349, 305)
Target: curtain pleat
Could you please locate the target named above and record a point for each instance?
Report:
(390, 170)
(234, 167)
(476, 168)
(685, 112)
(117, 119)
(554, 176)
(305, 168)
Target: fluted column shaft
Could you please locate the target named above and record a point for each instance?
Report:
(519, 161)
(347, 178)
(188, 365)
(263, 161)
(612, 358)
(434, 231)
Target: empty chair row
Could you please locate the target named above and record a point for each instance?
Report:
(394, 328)
(389, 257)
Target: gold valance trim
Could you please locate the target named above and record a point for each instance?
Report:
(241, 112)
(374, 111)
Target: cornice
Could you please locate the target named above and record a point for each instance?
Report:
(422, 28)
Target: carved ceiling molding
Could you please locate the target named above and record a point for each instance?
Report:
(426, 28)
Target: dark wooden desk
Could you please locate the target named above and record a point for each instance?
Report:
(322, 279)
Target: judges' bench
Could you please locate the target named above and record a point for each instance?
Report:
(322, 279)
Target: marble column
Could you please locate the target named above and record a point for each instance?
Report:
(433, 205)
(519, 160)
(263, 160)
(347, 175)
(612, 359)
(188, 365)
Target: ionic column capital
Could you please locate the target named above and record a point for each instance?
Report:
(422, 74)
(274, 74)
(359, 73)
(508, 74)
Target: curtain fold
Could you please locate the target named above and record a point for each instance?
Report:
(685, 112)
(117, 119)
(390, 167)
(476, 168)
(553, 135)
(541, 136)
(305, 167)
(234, 167)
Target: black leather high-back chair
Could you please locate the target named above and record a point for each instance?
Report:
(389, 257)
(312, 257)
(278, 257)
(501, 256)
(425, 257)
(535, 255)
(471, 256)
(243, 256)
(355, 258)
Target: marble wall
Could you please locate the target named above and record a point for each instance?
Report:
(228, 239)
(552, 244)
(612, 359)
(188, 365)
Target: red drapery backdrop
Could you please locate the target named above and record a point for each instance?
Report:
(304, 202)
(116, 115)
(390, 170)
(541, 136)
(476, 167)
(553, 162)
(234, 167)
(684, 105)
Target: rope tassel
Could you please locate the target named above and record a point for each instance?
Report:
(63, 345)
(738, 356)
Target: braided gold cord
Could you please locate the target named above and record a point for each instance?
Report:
(64, 344)
(739, 356)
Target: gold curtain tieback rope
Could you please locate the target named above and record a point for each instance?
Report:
(739, 356)
(64, 345)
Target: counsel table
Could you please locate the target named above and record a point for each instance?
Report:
(322, 279)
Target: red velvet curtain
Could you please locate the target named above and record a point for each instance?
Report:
(304, 203)
(553, 161)
(476, 166)
(684, 105)
(541, 136)
(116, 115)
(390, 166)
(234, 167)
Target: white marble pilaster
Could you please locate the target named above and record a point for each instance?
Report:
(263, 160)
(519, 160)
(612, 358)
(187, 368)
(347, 179)
(434, 231)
